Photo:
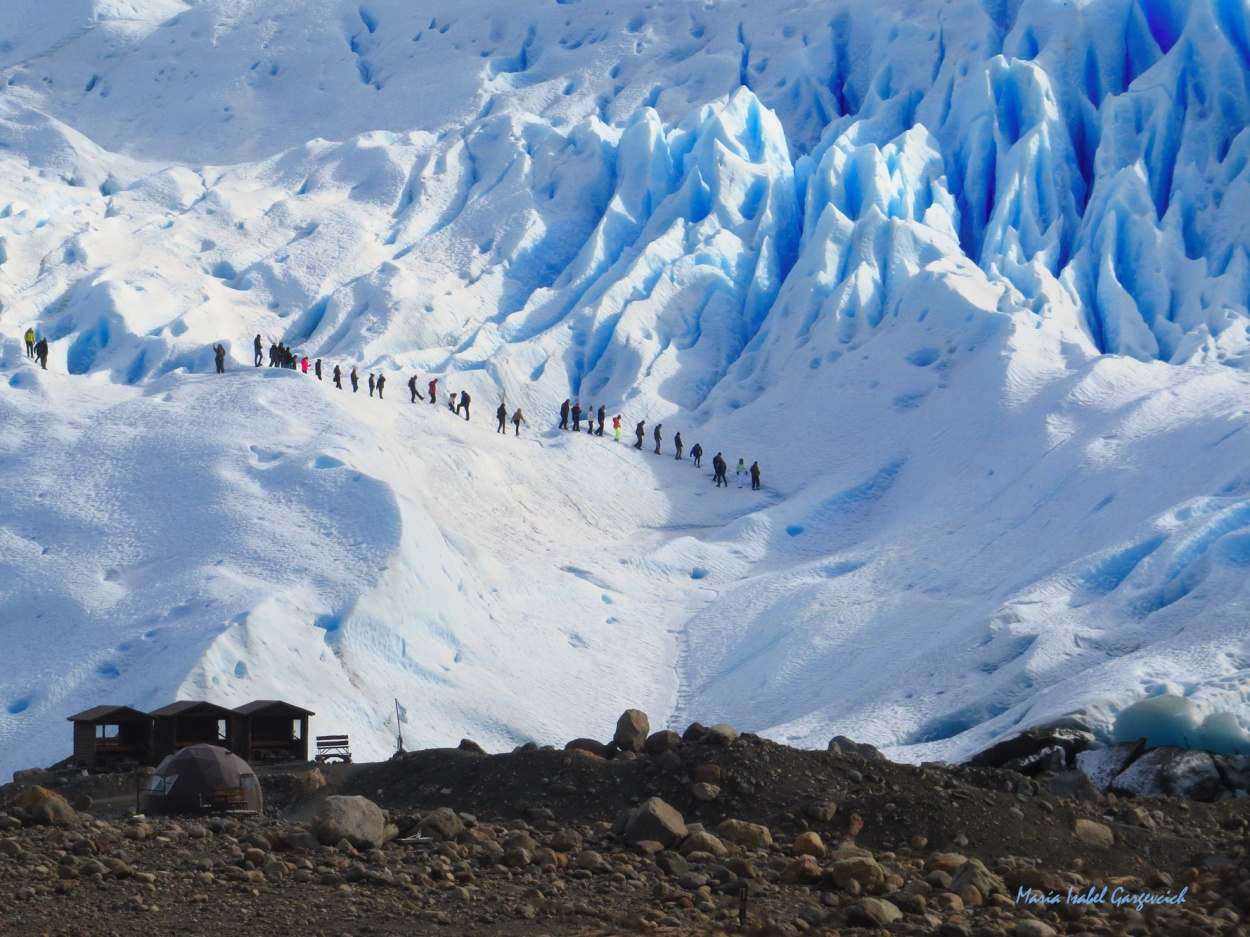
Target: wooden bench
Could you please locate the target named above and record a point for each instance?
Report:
(331, 748)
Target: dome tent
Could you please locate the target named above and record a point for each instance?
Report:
(195, 779)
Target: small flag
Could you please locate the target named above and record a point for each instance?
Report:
(401, 712)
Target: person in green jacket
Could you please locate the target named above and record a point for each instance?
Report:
(30, 343)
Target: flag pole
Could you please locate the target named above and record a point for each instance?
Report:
(399, 728)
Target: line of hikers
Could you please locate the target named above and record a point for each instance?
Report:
(281, 356)
(36, 348)
(570, 410)
(458, 403)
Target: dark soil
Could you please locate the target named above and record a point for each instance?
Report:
(111, 875)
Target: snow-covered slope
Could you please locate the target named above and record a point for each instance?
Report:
(969, 279)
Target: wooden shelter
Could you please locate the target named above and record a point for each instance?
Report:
(190, 722)
(107, 735)
(270, 729)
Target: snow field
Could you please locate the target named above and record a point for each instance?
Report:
(968, 279)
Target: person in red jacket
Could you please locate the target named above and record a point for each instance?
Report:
(432, 389)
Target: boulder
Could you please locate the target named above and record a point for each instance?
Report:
(663, 741)
(722, 733)
(873, 912)
(631, 730)
(703, 841)
(468, 745)
(802, 870)
(356, 819)
(822, 810)
(973, 872)
(841, 745)
(307, 782)
(704, 792)
(1033, 928)
(45, 807)
(656, 820)
(1074, 785)
(1103, 764)
(695, 732)
(1041, 748)
(708, 774)
(809, 844)
(861, 869)
(746, 835)
(29, 775)
(588, 745)
(1092, 833)
(443, 823)
(1171, 772)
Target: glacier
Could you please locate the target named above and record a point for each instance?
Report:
(969, 279)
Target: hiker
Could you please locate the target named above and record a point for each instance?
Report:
(656, 435)
(718, 469)
(616, 428)
(603, 412)
(219, 352)
(317, 368)
(30, 343)
(303, 363)
(755, 476)
(564, 414)
(590, 419)
(433, 387)
(41, 353)
(355, 380)
(640, 430)
(517, 420)
(412, 389)
(381, 384)
(273, 354)
(677, 443)
(577, 417)
(259, 347)
(338, 377)
(696, 453)
(741, 471)
(451, 403)
(465, 400)
(371, 384)
(502, 416)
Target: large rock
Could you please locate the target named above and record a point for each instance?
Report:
(703, 841)
(1074, 785)
(663, 741)
(655, 820)
(862, 869)
(307, 783)
(746, 835)
(1042, 748)
(722, 733)
(588, 745)
(45, 807)
(973, 872)
(841, 745)
(1103, 764)
(1094, 834)
(29, 775)
(356, 819)
(631, 730)
(873, 912)
(443, 823)
(1171, 772)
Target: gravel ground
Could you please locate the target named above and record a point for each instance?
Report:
(827, 843)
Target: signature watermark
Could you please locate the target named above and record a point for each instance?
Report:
(1118, 896)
